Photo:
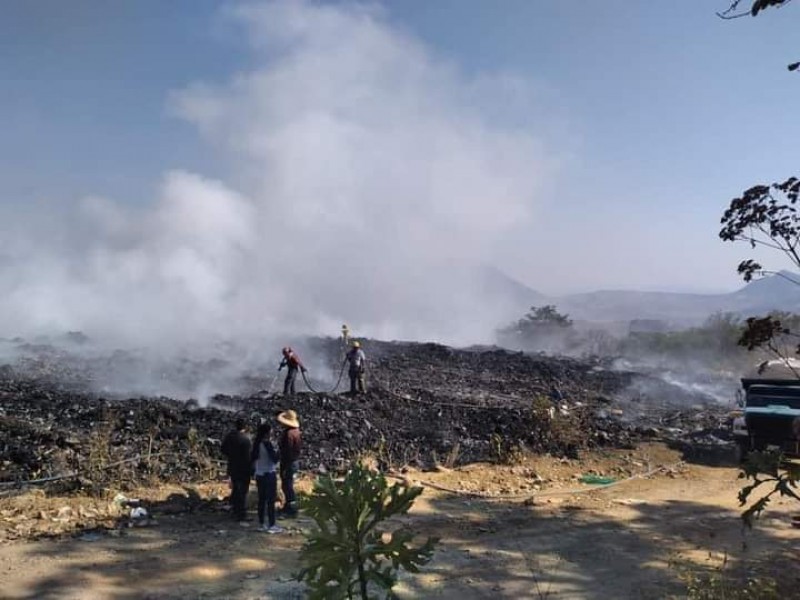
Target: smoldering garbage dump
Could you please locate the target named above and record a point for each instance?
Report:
(426, 404)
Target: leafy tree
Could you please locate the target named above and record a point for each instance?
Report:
(735, 11)
(547, 316)
(766, 215)
(542, 328)
(713, 343)
(538, 321)
(348, 553)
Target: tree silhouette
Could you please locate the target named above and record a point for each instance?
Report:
(735, 11)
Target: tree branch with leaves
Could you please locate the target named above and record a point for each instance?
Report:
(736, 11)
(767, 216)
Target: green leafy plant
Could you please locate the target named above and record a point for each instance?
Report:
(349, 554)
(767, 469)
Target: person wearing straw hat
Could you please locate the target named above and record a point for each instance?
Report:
(289, 447)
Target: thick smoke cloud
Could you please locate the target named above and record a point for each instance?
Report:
(364, 184)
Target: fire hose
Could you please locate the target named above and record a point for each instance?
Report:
(338, 381)
(534, 495)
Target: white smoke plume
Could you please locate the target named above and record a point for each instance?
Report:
(364, 184)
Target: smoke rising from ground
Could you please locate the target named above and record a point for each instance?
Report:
(364, 185)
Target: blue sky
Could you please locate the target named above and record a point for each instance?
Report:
(658, 113)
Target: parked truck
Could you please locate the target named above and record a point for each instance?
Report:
(770, 417)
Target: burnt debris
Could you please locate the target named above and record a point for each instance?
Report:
(425, 404)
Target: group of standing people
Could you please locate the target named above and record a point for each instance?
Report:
(260, 459)
(355, 358)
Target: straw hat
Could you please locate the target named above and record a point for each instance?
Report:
(289, 418)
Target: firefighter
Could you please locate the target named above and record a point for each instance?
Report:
(358, 368)
(292, 362)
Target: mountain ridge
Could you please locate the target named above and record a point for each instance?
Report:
(776, 292)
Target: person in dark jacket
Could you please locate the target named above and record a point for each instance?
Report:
(265, 463)
(289, 448)
(292, 362)
(237, 449)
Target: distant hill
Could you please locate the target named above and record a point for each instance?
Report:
(498, 284)
(774, 292)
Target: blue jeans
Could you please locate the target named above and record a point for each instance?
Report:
(287, 486)
(267, 485)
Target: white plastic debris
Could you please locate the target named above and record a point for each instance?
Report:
(138, 513)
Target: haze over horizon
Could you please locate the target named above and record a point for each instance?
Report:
(289, 165)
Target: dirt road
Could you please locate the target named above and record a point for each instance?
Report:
(626, 541)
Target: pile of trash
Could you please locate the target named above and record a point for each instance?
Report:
(426, 404)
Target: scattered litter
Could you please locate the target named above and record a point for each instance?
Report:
(124, 501)
(595, 479)
(139, 513)
(629, 501)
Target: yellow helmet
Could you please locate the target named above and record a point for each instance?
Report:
(356, 344)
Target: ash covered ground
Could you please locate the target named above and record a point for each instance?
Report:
(427, 404)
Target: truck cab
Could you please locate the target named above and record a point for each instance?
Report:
(770, 417)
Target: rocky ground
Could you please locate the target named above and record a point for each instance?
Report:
(108, 496)
(427, 404)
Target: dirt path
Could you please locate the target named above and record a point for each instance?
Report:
(622, 542)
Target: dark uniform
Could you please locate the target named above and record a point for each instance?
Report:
(237, 448)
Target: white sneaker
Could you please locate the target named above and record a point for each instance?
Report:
(263, 527)
(275, 529)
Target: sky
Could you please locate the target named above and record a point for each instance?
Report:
(299, 157)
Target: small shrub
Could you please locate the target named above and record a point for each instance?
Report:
(99, 455)
(719, 586)
(556, 432)
(348, 553)
(452, 457)
(505, 452)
